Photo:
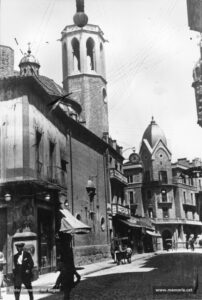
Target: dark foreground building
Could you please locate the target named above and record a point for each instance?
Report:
(52, 152)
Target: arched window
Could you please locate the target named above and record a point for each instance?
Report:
(90, 47)
(76, 54)
(104, 95)
(102, 223)
(64, 53)
(78, 216)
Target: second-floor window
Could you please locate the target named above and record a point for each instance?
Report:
(51, 158)
(163, 176)
(184, 196)
(130, 178)
(131, 197)
(150, 212)
(164, 195)
(39, 152)
(165, 212)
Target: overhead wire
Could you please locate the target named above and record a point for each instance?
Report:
(133, 70)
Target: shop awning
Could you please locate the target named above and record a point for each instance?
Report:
(138, 222)
(130, 224)
(152, 233)
(70, 224)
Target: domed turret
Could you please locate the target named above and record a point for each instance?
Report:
(153, 133)
(80, 18)
(29, 65)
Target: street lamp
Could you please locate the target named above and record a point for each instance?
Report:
(7, 197)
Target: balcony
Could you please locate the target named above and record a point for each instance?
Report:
(120, 210)
(118, 176)
(56, 175)
(176, 221)
(165, 203)
(188, 205)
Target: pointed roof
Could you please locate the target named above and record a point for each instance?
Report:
(153, 134)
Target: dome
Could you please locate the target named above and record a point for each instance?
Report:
(153, 133)
(29, 58)
(29, 65)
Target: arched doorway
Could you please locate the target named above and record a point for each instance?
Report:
(167, 239)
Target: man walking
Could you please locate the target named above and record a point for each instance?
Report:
(23, 265)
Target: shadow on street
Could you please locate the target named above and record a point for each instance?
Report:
(172, 270)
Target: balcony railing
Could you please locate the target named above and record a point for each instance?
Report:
(165, 202)
(121, 210)
(115, 174)
(176, 221)
(56, 175)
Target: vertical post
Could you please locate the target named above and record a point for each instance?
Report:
(0, 20)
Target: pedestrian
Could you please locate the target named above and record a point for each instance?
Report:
(2, 263)
(23, 265)
(68, 269)
(191, 242)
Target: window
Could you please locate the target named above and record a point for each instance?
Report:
(78, 216)
(130, 178)
(150, 212)
(103, 224)
(186, 214)
(184, 196)
(163, 176)
(165, 212)
(51, 159)
(131, 197)
(38, 152)
(64, 165)
(164, 195)
(90, 45)
(192, 198)
(76, 54)
(149, 195)
(64, 53)
(147, 176)
(193, 215)
(104, 95)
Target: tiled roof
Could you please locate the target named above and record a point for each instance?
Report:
(50, 86)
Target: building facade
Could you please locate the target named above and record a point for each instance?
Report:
(53, 148)
(159, 190)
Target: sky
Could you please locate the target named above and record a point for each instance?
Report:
(150, 55)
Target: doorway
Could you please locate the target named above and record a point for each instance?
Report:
(167, 239)
(45, 239)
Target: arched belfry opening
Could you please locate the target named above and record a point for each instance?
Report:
(90, 47)
(76, 54)
(64, 53)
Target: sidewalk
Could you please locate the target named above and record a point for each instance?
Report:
(46, 281)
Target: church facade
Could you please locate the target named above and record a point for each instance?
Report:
(55, 147)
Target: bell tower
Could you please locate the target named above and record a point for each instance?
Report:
(83, 64)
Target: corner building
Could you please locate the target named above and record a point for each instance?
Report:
(49, 153)
(159, 190)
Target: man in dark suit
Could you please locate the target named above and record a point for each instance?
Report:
(23, 265)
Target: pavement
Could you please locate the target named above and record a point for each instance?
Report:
(42, 286)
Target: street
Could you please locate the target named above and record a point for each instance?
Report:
(178, 273)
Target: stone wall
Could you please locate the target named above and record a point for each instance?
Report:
(91, 254)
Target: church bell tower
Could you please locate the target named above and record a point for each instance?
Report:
(83, 64)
